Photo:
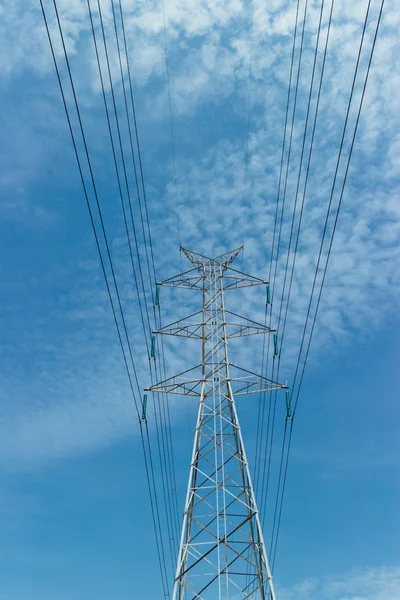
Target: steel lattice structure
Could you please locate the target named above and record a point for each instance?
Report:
(222, 553)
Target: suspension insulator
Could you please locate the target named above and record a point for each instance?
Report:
(153, 346)
(157, 300)
(268, 295)
(144, 407)
(276, 351)
(288, 402)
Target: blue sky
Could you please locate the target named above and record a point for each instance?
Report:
(74, 510)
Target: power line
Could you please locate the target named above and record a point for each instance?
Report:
(267, 465)
(291, 139)
(95, 190)
(308, 164)
(122, 154)
(158, 541)
(155, 509)
(175, 180)
(89, 209)
(164, 454)
(269, 438)
(137, 139)
(281, 466)
(332, 192)
(164, 476)
(331, 240)
(246, 157)
(343, 183)
(285, 461)
(165, 451)
(131, 142)
(169, 454)
(300, 164)
(116, 166)
(171, 120)
(262, 397)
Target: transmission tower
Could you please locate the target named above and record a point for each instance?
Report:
(222, 553)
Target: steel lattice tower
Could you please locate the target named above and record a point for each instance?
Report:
(222, 553)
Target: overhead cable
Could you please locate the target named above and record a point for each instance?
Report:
(333, 232)
(164, 581)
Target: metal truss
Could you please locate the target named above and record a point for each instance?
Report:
(187, 384)
(222, 553)
(192, 326)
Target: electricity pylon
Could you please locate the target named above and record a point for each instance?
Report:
(222, 553)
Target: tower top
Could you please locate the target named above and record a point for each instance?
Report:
(200, 260)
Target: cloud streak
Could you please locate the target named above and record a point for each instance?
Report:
(382, 583)
(76, 399)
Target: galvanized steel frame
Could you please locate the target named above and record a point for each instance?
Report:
(222, 542)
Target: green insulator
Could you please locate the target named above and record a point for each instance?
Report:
(268, 295)
(153, 346)
(144, 407)
(276, 352)
(157, 300)
(288, 401)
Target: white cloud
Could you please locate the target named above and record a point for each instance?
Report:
(380, 583)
